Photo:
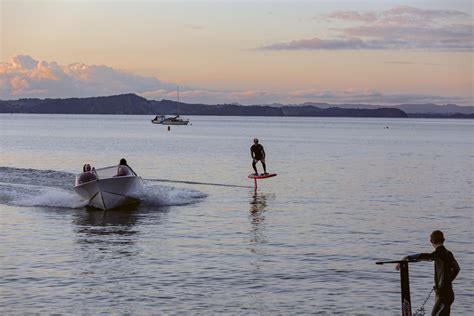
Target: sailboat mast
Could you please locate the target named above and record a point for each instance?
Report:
(177, 93)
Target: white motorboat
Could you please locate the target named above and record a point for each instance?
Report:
(109, 187)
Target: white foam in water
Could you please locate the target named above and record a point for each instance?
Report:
(54, 197)
(153, 194)
(32, 195)
(36, 177)
(32, 187)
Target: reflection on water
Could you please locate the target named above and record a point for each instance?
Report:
(114, 231)
(258, 204)
(120, 221)
(107, 234)
(259, 254)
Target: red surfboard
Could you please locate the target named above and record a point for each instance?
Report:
(262, 176)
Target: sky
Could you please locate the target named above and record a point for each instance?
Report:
(248, 52)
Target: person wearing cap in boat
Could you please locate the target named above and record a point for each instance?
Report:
(446, 269)
(124, 169)
(258, 154)
(87, 175)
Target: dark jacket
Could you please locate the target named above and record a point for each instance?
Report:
(446, 268)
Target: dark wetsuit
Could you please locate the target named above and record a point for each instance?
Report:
(446, 268)
(258, 154)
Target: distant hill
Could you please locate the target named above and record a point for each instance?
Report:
(436, 109)
(170, 107)
(428, 108)
(117, 104)
(133, 104)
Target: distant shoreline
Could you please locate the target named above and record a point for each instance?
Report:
(466, 117)
(131, 104)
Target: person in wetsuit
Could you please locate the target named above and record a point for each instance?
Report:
(258, 154)
(446, 269)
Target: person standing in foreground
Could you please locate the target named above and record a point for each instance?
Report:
(258, 154)
(446, 269)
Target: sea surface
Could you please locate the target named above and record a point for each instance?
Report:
(349, 192)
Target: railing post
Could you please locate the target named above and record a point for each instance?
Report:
(405, 289)
(404, 285)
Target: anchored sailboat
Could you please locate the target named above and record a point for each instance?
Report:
(171, 120)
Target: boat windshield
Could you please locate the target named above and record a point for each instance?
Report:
(113, 171)
(109, 172)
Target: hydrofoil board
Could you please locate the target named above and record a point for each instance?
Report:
(262, 176)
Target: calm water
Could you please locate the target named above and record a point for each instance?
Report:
(348, 193)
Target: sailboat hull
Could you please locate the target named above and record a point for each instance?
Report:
(175, 123)
(170, 121)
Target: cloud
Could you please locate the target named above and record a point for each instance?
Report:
(401, 27)
(401, 14)
(357, 43)
(347, 96)
(198, 95)
(420, 34)
(427, 14)
(352, 16)
(354, 96)
(317, 43)
(23, 61)
(25, 77)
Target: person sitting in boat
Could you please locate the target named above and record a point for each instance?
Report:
(87, 175)
(124, 169)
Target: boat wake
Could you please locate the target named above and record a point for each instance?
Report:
(50, 188)
(33, 195)
(154, 194)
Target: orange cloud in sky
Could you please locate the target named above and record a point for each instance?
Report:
(47, 71)
(79, 71)
(24, 76)
(396, 50)
(18, 85)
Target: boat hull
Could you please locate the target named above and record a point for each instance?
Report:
(171, 122)
(110, 193)
(162, 120)
(176, 123)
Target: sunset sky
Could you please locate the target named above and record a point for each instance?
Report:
(250, 52)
